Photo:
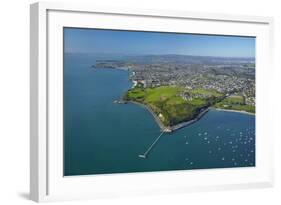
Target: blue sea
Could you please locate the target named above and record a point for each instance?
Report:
(102, 137)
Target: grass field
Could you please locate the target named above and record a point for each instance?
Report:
(206, 92)
(235, 103)
(169, 104)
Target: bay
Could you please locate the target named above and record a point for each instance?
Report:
(102, 137)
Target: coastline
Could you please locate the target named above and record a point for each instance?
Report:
(181, 124)
(238, 111)
(158, 121)
(186, 123)
(174, 127)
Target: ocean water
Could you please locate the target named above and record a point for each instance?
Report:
(101, 137)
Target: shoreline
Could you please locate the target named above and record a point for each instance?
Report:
(238, 111)
(186, 123)
(174, 127)
(158, 121)
(181, 124)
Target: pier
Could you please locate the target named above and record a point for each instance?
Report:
(144, 155)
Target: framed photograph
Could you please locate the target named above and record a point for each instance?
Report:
(127, 102)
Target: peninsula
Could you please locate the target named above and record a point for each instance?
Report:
(174, 107)
(178, 90)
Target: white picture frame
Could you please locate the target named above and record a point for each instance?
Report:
(47, 182)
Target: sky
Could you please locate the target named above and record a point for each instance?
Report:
(80, 40)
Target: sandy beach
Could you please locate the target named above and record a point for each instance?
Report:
(239, 111)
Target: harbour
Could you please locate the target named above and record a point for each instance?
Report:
(106, 137)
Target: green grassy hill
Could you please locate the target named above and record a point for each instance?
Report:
(174, 104)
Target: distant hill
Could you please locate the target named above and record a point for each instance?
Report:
(189, 59)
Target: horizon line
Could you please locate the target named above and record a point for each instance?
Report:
(69, 52)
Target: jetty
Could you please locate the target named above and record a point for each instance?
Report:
(144, 155)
